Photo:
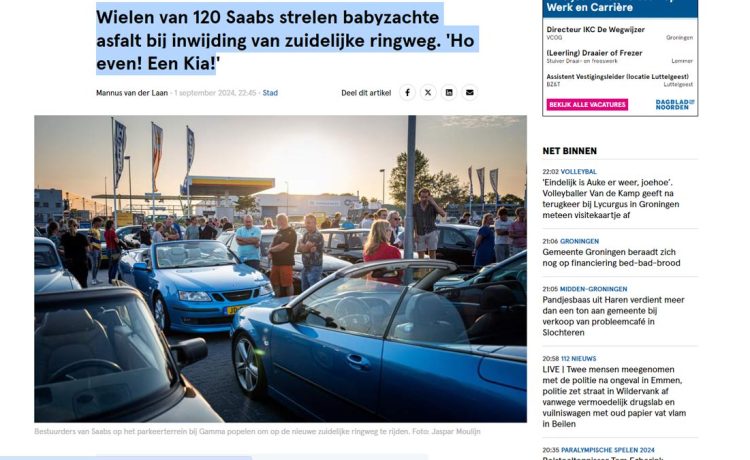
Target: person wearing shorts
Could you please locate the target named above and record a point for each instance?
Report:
(282, 257)
(502, 240)
(425, 231)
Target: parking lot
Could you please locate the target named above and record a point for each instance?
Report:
(214, 378)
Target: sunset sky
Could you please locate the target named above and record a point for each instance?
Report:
(314, 154)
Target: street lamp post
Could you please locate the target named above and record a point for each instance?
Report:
(130, 184)
(383, 171)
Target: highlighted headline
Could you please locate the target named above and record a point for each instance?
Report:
(185, 38)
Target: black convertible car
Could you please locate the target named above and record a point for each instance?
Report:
(99, 357)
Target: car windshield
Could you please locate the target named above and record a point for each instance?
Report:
(224, 237)
(513, 270)
(45, 257)
(361, 302)
(470, 233)
(95, 356)
(124, 231)
(193, 253)
(267, 240)
(265, 243)
(357, 239)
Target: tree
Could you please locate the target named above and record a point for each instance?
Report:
(365, 202)
(511, 198)
(446, 188)
(397, 181)
(246, 204)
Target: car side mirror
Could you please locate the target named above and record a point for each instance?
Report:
(281, 315)
(143, 266)
(189, 351)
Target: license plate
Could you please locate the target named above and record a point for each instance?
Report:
(233, 310)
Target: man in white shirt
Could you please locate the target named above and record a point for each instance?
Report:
(366, 221)
(502, 240)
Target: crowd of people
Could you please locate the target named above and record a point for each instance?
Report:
(82, 254)
(498, 238)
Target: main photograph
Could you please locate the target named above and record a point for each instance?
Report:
(280, 269)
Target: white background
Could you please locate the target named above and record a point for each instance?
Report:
(48, 68)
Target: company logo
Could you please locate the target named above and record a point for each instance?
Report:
(674, 104)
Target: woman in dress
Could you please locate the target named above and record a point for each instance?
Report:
(484, 246)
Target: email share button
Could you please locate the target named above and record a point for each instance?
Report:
(469, 92)
(587, 104)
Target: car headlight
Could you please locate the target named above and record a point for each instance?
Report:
(197, 296)
(266, 289)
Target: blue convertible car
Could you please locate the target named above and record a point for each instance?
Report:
(374, 342)
(193, 285)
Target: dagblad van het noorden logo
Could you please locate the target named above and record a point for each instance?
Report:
(674, 104)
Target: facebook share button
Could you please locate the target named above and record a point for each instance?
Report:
(408, 92)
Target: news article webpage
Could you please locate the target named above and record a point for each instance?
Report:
(323, 212)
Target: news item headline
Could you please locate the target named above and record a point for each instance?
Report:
(185, 38)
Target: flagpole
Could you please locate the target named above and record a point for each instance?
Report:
(471, 194)
(497, 192)
(114, 173)
(187, 182)
(484, 200)
(153, 183)
(481, 189)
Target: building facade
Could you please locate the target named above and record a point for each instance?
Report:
(296, 206)
(48, 204)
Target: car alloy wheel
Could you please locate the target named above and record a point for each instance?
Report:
(160, 313)
(248, 367)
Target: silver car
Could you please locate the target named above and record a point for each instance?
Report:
(49, 273)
